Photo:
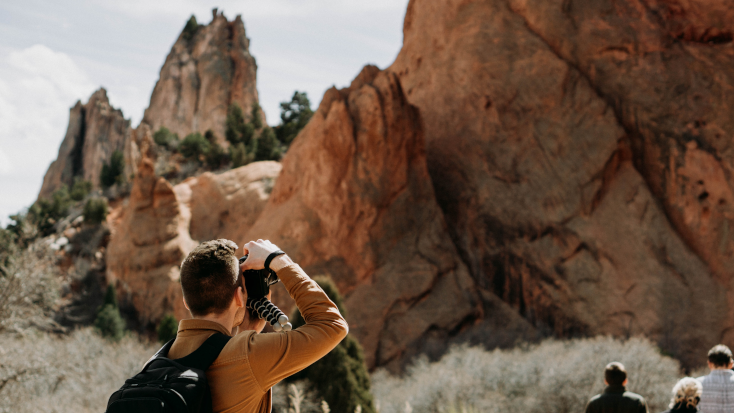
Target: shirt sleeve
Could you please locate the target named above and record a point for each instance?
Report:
(275, 356)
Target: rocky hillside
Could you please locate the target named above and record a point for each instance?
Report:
(524, 168)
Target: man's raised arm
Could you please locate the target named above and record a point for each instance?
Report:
(275, 356)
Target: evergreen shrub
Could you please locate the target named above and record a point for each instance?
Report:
(238, 154)
(294, 116)
(95, 210)
(340, 377)
(165, 138)
(168, 328)
(194, 145)
(113, 172)
(80, 189)
(267, 147)
(109, 322)
(46, 212)
(236, 130)
(192, 26)
(215, 156)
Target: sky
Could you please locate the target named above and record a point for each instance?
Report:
(54, 53)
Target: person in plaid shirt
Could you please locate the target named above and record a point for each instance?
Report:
(718, 386)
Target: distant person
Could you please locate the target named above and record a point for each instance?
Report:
(718, 386)
(686, 396)
(616, 398)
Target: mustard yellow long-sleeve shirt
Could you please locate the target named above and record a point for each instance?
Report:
(250, 364)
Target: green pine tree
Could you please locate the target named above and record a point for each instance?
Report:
(110, 296)
(255, 119)
(236, 130)
(194, 146)
(294, 116)
(113, 172)
(80, 189)
(95, 210)
(340, 377)
(192, 26)
(47, 212)
(268, 147)
(168, 328)
(109, 322)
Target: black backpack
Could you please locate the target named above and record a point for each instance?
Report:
(167, 386)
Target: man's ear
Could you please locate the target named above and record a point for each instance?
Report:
(185, 305)
(605, 382)
(239, 297)
(624, 383)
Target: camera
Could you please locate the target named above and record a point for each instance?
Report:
(257, 284)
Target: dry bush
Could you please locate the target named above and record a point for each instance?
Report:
(557, 376)
(29, 289)
(42, 372)
(294, 398)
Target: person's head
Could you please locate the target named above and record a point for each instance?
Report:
(686, 392)
(209, 276)
(720, 357)
(615, 374)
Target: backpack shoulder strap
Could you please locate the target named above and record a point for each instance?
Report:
(163, 352)
(204, 356)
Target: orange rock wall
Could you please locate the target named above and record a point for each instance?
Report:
(581, 153)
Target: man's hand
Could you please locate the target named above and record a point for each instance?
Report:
(257, 252)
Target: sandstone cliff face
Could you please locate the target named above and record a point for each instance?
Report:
(149, 240)
(581, 153)
(524, 167)
(202, 77)
(154, 230)
(95, 131)
(228, 204)
(355, 201)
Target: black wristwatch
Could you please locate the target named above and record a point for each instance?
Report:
(271, 257)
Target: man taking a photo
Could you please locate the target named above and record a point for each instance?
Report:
(250, 364)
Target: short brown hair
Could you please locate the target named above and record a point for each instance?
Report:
(209, 277)
(720, 355)
(615, 374)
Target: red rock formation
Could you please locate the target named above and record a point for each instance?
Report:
(202, 77)
(95, 131)
(227, 205)
(355, 201)
(152, 231)
(535, 113)
(665, 86)
(524, 166)
(148, 244)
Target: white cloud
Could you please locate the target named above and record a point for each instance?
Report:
(252, 8)
(37, 87)
(5, 165)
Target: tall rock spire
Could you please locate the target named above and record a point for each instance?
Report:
(209, 68)
(95, 131)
